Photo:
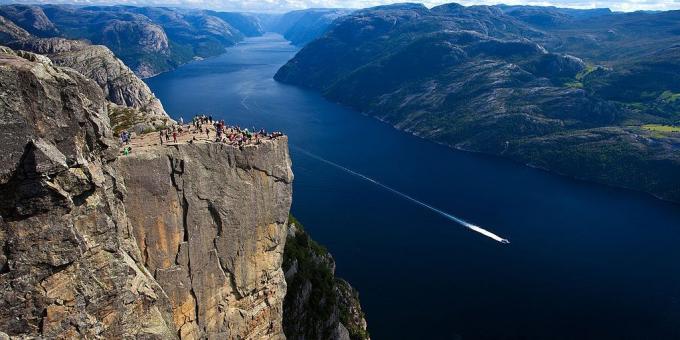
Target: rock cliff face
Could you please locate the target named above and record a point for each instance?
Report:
(303, 26)
(210, 221)
(69, 265)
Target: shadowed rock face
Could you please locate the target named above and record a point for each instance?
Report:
(69, 265)
(318, 305)
(210, 223)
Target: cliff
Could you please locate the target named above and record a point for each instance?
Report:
(184, 241)
(69, 263)
(303, 26)
(210, 221)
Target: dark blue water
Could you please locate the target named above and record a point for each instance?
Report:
(586, 261)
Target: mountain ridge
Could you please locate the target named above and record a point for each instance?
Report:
(479, 79)
(150, 40)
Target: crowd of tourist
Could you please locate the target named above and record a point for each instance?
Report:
(216, 131)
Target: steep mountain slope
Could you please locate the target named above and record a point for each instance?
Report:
(301, 27)
(479, 79)
(150, 40)
(120, 85)
(246, 23)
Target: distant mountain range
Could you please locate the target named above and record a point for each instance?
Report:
(150, 40)
(301, 27)
(587, 93)
(131, 104)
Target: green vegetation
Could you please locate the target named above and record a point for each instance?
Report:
(662, 128)
(316, 300)
(356, 332)
(669, 97)
(574, 84)
(123, 118)
(126, 118)
(588, 70)
(304, 251)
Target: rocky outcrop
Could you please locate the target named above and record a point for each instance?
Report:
(183, 241)
(120, 85)
(318, 304)
(210, 221)
(69, 266)
(178, 242)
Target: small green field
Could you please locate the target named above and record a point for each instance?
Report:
(661, 128)
(670, 97)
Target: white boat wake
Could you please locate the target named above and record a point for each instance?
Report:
(460, 221)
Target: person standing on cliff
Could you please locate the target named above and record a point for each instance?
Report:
(174, 137)
(160, 136)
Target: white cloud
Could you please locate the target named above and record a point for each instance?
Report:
(285, 5)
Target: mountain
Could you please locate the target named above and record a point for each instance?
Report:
(303, 26)
(131, 100)
(246, 23)
(552, 16)
(150, 40)
(586, 94)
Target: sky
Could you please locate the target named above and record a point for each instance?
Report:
(286, 5)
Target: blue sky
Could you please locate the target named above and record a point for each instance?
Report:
(284, 5)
